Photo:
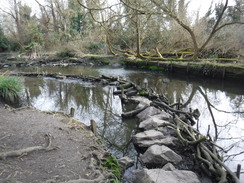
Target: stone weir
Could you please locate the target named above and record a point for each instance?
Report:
(172, 150)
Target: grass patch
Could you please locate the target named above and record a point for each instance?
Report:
(106, 61)
(98, 56)
(153, 67)
(112, 164)
(10, 88)
(66, 53)
(156, 68)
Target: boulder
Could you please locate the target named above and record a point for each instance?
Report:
(140, 99)
(126, 162)
(150, 111)
(152, 123)
(163, 115)
(141, 105)
(169, 167)
(162, 176)
(167, 131)
(159, 155)
(152, 137)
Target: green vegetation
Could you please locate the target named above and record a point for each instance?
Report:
(157, 68)
(94, 47)
(112, 164)
(106, 61)
(153, 67)
(66, 53)
(10, 88)
(4, 43)
(143, 92)
(78, 26)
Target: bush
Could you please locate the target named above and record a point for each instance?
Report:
(113, 165)
(95, 47)
(4, 43)
(10, 88)
(66, 53)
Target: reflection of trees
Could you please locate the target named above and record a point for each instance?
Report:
(237, 101)
(92, 100)
(162, 85)
(117, 134)
(226, 134)
(33, 86)
(209, 105)
(89, 100)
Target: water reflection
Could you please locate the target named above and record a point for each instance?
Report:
(92, 101)
(219, 102)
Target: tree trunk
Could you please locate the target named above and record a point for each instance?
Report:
(55, 25)
(17, 22)
(138, 40)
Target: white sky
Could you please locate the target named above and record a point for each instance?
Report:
(194, 5)
(205, 4)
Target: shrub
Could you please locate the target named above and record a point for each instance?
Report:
(66, 53)
(113, 165)
(10, 88)
(95, 47)
(4, 43)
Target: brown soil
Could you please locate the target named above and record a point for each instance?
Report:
(64, 150)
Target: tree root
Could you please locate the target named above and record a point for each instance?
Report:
(4, 137)
(20, 152)
(133, 112)
(101, 177)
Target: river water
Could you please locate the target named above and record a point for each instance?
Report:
(223, 99)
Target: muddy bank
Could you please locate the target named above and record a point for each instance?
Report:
(49, 147)
(219, 69)
(207, 69)
(8, 61)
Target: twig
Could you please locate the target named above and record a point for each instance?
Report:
(4, 137)
(234, 177)
(133, 112)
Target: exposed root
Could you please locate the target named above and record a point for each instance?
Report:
(20, 152)
(4, 137)
(12, 109)
(97, 172)
(99, 179)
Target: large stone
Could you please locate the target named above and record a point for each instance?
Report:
(150, 111)
(152, 137)
(159, 155)
(163, 115)
(142, 100)
(126, 162)
(169, 167)
(152, 123)
(162, 176)
(141, 105)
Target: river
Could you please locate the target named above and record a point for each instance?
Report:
(223, 99)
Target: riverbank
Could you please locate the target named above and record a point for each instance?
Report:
(159, 127)
(211, 68)
(48, 147)
(107, 81)
(217, 69)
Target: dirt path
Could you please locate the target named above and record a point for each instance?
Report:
(53, 148)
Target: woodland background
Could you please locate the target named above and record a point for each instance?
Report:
(141, 28)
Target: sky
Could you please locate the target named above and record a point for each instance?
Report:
(194, 5)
